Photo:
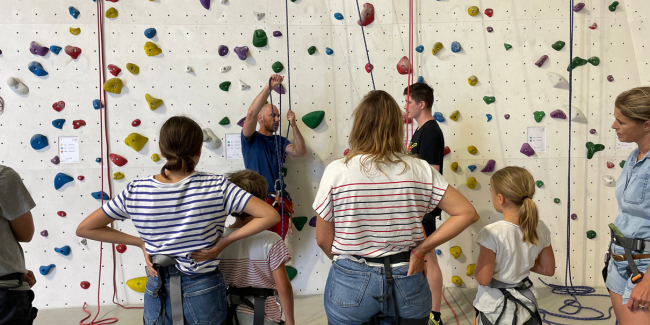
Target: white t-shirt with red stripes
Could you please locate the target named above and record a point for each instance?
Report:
(250, 262)
(378, 214)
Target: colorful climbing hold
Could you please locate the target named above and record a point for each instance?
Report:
(80, 177)
(541, 60)
(454, 115)
(576, 62)
(299, 222)
(152, 101)
(610, 78)
(111, 13)
(592, 131)
(151, 49)
(74, 12)
(61, 179)
(556, 200)
(155, 157)
(436, 47)
(137, 284)
(558, 45)
(277, 67)
(489, 167)
(369, 67)
(75, 31)
(557, 80)
(577, 7)
(470, 269)
(472, 80)
(98, 160)
(114, 70)
(225, 68)
(506, 116)
(613, 6)
(37, 49)
(37, 69)
(507, 46)
(593, 26)
(84, 284)
(97, 104)
(38, 141)
(610, 165)
(419, 49)
(457, 280)
(338, 16)
(58, 106)
(65, 250)
(608, 180)
(404, 66)
(473, 10)
(454, 166)
(438, 252)
(211, 140)
(489, 99)
(527, 150)
(241, 52)
(55, 160)
(17, 86)
(72, 51)
(312, 222)
(113, 85)
(58, 123)
(367, 15)
(471, 183)
(489, 29)
(329, 51)
(45, 270)
(291, 271)
(150, 33)
(224, 121)
(311, 50)
(243, 86)
(593, 148)
(223, 50)
(44, 233)
(241, 121)
(574, 216)
(100, 195)
(472, 150)
(455, 47)
(455, 251)
(134, 69)
(471, 168)
(259, 15)
(591, 234)
(539, 184)
(313, 119)
(446, 151)
(622, 164)
(204, 3)
(54, 49)
(118, 175)
(539, 115)
(259, 38)
(136, 123)
(489, 117)
(136, 141)
(438, 117)
(120, 248)
(279, 89)
(594, 60)
(118, 160)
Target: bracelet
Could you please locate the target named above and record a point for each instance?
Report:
(416, 255)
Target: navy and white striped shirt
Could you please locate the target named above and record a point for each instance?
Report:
(180, 218)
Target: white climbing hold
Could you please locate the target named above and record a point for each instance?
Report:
(189, 69)
(82, 241)
(210, 140)
(243, 86)
(259, 15)
(557, 80)
(609, 181)
(576, 114)
(225, 68)
(18, 85)
(223, 2)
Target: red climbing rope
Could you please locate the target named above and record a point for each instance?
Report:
(452, 309)
(409, 134)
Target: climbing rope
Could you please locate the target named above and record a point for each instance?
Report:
(279, 153)
(365, 44)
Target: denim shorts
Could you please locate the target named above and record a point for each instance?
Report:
(617, 279)
(204, 300)
(351, 286)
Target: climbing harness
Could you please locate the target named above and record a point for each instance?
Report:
(522, 287)
(238, 296)
(166, 266)
(629, 244)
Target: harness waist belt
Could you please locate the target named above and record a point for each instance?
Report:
(620, 258)
(394, 259)
(259, 299)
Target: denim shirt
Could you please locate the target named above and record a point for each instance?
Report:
(633, 196)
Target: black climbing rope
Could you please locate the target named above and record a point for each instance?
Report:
(366, 45)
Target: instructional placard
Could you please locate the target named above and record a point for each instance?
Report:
(625, 146)
(233, 146)
(69, 150)
(537, 138)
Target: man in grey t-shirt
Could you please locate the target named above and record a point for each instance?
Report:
(16, 225)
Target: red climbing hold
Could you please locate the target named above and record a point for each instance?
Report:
(447, 151)
(488, 12)
(61, 214)
(58, 106)
(346, 152)
(369, 67)
(78, 123)
(86, 284)
(593, 26)
(118, 160)
(114, 70)
(113, 1)
(120, 248)
(367, 15)
(72, 51)
(404, 66)
(610, 165)
(135, 123)
(80, 177)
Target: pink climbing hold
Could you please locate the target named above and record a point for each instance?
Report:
(205, 4)
(73, 51)
(610, 165)
(367, 15)
(507, 116)
(78, 123)
(404, 66)
(610, 78)
(279, 89)
(62, 214)
(114, 70)
(118, 160)
(44, 233)
(58, 106)
(574, 216)
(593, 26)
(120, 248)
(136, 122)
(578, 7)
(55, 160)
(369, 67)
(489, 29)
(489, 167)
(527, 150)
(81, 177)
(241, 122)
(37, 49)
(85, 284)
(558, 113)
(541, 61)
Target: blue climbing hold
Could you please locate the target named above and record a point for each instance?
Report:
(438, 252)
(438, 117)
(419, 49)
(338, 16)
(61, 179)
(471, 168)
(46, 269)
(55, 49)
(98, 160)
(489, 117)
(58, 123)
(100, 195)
(329, 51)
(97, 104)
(65, 250)
(150, 32)
(74, 12)
(38, 141)
(420, 79)
(455, 47)
(37, 69)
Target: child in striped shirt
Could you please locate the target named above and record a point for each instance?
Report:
(257, 261)
(177, 212)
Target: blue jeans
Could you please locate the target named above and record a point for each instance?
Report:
(204, 300)
(351, 286)
(617, 279)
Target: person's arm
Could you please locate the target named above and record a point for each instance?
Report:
(298, 148)
(254, 110)
(545, 262)
(325, 235)
(485, 266)
(436, 167)
(285, 291)
(23, 227)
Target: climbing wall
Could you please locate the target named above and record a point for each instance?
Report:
(186, 76)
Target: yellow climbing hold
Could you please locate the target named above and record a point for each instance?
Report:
(472, 150)
(136, 141)
(75, 31)
(472, 80)
(118, 175)
(155, 157)
(473, 10)
(454, 115)
(133, 68)
(137, 284)
(111, 13)
(152, 101)
(454, 166)
(456, 280)
(471, 183)
(152, 49)
(455, 251)
(470, 269)
(436, 47)
(113, 85)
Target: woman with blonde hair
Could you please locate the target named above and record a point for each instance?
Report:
(370, 206)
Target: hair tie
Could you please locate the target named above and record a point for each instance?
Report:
(525, 197)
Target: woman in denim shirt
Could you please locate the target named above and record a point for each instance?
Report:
(632, 124)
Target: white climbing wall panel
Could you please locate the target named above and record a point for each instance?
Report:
(189, 35)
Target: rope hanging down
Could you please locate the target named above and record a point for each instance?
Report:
(364, 43)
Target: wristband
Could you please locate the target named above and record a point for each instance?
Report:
(416, 255)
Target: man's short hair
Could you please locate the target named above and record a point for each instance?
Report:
(420, 92)
(250, 182)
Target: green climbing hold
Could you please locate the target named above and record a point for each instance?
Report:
(313, 119)
(576, 62)
(594, 60)
(591, 234)
(556, 200)
(291, 271)
(593, 148)
(299, 222)
(507, 46)
(224, 85)
(277, 67)
(259, 38)
(489, 99)
(558, 45)
(613, 6)
(539, 184)
(224, 121)
(539, 115)
(311, 50)
(622, 164)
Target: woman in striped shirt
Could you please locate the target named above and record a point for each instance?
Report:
(177, 212)
(370, 206)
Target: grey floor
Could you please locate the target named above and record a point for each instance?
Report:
(309, 310)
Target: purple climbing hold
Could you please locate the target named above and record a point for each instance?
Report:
(55, 160)
(541, 61)
(223, 50)
(490, 29)
(592, 131)
(312, 222)
(558, 113)
(44, 233)
(241, 52)
(37, 49)
(507, 116)
(574, 216)
(527, 150)
(489, 167)
(610, 78)
(578, 7)
(277, 33)
(279, 89)
(205, 4)
(241, 122)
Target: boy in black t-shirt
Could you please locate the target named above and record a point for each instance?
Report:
(429, 144)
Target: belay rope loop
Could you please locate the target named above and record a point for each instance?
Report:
(278, 185)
